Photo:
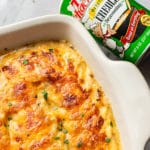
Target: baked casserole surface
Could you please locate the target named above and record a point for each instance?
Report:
(50, 100)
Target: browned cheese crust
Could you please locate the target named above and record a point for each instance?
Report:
(49, 100)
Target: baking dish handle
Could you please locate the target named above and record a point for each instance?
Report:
(134, 101)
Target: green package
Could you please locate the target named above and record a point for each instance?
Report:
(123, 26)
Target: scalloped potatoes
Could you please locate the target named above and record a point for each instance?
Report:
(50, 100)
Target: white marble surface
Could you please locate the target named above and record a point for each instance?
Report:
(12, 11)
(16, 10)
(145, 3)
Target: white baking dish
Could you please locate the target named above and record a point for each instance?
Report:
(122, 82)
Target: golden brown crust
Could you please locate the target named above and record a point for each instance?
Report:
(50, 100)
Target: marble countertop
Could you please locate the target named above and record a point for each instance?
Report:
(12, 11)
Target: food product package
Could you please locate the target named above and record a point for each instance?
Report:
(123, 26)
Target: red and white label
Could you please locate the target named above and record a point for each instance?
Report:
(135, 18)
(78, 7)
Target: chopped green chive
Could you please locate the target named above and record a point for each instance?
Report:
(51, 50)
(55, 108)
(61, 124)
(82, 115)
(107, 140)
(59, 129)
(79, 144)
(57, 138)
(66, 141)
(9, 104)
(45, 94)
(65, 131)
(25, 61)
(111, 124)
(38, 104)
(9, 118)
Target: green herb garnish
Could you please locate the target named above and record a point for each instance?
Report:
(66, 141)
(9, 118)
(111, 124)
(59, 129)
(9, 104)
(51, 50)
(25, 61)
(57, 138)
(79, 144)
(82, 115)
(45, 94)
(38, 104)
(107, 140)
(61, 123)
(60, 126)
(65, 131)
(55, 108)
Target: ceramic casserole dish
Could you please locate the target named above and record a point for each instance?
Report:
(122, 82)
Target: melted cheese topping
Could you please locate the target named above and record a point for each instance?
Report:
(49, 100)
